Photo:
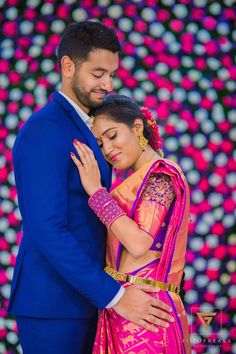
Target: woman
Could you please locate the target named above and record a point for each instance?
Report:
(147, 221)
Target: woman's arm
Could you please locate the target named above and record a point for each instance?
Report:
(136, 235)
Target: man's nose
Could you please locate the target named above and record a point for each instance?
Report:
(107, 84)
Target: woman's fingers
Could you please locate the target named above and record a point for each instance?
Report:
(86, 155)
(87, 167)
(82, 152)
(86, 149)
(89, 153)
(76, 161)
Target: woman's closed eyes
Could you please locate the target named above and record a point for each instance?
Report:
(111, 137)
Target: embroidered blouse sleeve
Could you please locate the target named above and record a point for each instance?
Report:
(154, 203)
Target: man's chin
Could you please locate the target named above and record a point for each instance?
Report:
(96, 103)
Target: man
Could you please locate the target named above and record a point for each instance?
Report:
(59, 279)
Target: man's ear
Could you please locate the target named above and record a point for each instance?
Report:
(67, 67)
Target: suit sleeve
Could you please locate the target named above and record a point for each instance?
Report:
(41, 171)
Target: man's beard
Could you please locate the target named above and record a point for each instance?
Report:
(84, 97)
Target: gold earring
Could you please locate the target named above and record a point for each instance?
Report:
(142, 141)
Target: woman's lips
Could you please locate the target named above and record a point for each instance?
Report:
(114, 157)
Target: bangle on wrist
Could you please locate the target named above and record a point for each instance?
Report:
(105, 207)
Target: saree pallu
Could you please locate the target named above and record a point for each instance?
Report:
(116, 335)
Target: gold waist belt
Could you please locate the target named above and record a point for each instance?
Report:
(119, 276)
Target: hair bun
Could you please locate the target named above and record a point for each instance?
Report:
(155, 139)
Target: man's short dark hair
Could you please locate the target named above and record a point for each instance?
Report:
(81, 38)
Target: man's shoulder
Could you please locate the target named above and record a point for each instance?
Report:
(44, 121)
(47, 114)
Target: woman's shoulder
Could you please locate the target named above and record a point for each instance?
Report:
(159, 188)
(166, 165)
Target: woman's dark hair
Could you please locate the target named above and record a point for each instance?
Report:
(122, 109)
(81, 38)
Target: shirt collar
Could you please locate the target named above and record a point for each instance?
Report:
(84, 116)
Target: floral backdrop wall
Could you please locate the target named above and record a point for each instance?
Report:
(177, 59)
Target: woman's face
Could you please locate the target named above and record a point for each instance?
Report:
(119, 143)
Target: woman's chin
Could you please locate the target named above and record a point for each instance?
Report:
(121, 166)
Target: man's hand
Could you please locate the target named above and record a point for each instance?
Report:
(139, 307)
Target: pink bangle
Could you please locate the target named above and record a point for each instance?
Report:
(105, 207)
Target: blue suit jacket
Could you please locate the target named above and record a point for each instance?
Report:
(59, 268)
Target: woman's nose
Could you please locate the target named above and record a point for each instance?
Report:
(107, 148)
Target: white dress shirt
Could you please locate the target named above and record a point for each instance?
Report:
(89, 122)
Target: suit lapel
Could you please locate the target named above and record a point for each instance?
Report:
(91, 141)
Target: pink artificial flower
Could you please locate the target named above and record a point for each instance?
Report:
(95, 12)
(54, 39)
(211, 298)
(149, 61)
(218, 84)
(220, 252)
(204, 185)
(205, 250)
(28, 99)
(10, 28)
(33, 66)
(209, 23)
(190, 256)
(48, 50)
(3, 277)
(200, 63)
(131, 82)
(229, 13)
(206, 103)
(163, 110)
(163, 15)
(150, 101)
(108, 22)
(131, 11)
(218, 229)
(226, 347)
(3, 97)
(227, 61)
(41, 26)
(14, 77)
(23, 42)
(211, 48)
(140, 26)
(158, 46)
(187, 83)
(3, 174)
(197, 14)
(232, 73)
(212, 274)
(176, 25)
(13, 107)
(189, 284)
(4, 246)
(129, 49)
(4, 66)
(30, 14)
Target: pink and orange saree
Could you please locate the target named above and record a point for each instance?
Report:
(160, 206)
